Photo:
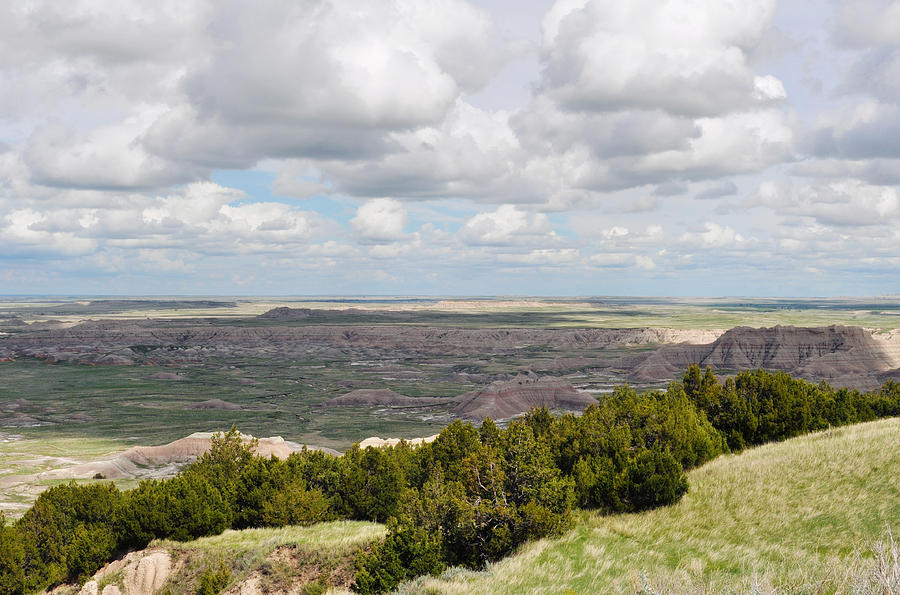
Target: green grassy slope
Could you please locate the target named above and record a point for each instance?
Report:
(796, 516)
(286, 559)
(311, 558)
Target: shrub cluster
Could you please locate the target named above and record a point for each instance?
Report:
(758, 406)
(470, 497)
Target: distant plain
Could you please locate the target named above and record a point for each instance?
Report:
(607, 312)
(84, 412)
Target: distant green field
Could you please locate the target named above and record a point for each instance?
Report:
(125, 405)
(82, 413)
(612, 312)
(794, 517)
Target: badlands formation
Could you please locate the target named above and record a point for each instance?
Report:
(501, 400)
(844, 356)
(152, 462)
(159, 461)
(160, 342)
(303, 358)
(504, 400)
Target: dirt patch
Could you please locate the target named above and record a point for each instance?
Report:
(22, 420)
(167, 376)
(149, 574)
(217, 404)
(79, 418)
(19, 405)
(291, 570)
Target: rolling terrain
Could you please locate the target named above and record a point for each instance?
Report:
(82, 381)
(811, 514)
(800, 516)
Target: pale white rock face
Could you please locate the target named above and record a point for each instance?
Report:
(144, 574)
(251, 587)
(375, 441)
(148, 575)
(890, 344)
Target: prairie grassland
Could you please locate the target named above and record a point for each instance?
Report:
(333, 536)
(65, 447)
(800, 516)
(612, 312)
(286, 559)
(21, 459)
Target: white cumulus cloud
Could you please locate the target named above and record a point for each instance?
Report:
(380, 220)
(507, 225)
(682, 56)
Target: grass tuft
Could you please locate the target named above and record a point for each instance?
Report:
(883, 575)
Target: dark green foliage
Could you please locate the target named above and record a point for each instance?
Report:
(502, 493)
(452, 445)
(195, 508)
(408, 551)
(221, 468)
(596, 449)
(488, 432)
(259, 482)
(90, 548)
(214, 581)
(12, 559)
(144, 514)
(201, 500)
(371, 483)
(540, 420)
(69, 533)
(782, 405)
(537, 520)
(662, 420)
(272, 492)
(321, 472)
(758, 406)
(886, 402)
(182, 508)
(226, 458)
(294, 505)
(597, 484)
(654, 478)
(531, 475)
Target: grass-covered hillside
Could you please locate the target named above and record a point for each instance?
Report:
(792, 515)
(796, 516)
(269, 560)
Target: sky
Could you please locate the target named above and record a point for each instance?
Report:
(446, 147)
